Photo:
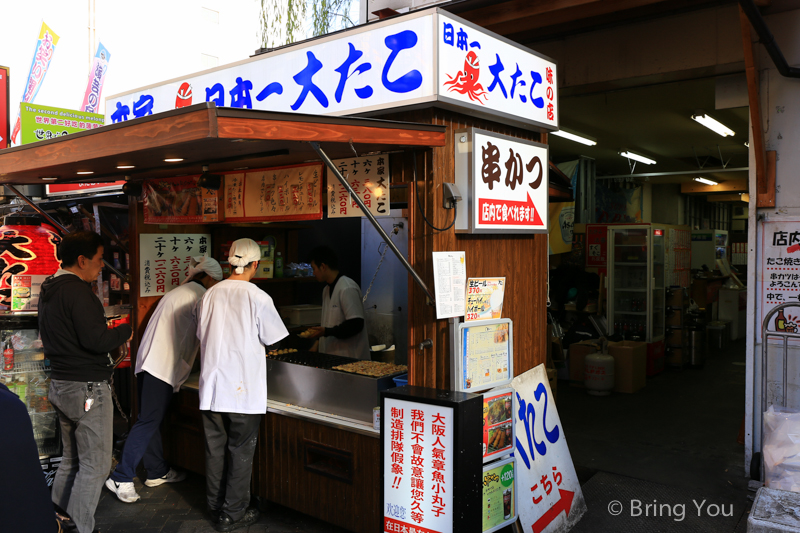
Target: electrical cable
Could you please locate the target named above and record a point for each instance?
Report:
(419, 205)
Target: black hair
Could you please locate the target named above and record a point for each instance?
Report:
(324, 254)
(80, 243)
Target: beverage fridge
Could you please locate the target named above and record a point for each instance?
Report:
(636, 275)
(26, 373)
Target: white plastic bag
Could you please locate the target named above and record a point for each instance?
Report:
(781, 450)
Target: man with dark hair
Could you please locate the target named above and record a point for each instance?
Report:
(77, 342)
(342, 331)
(165, 359)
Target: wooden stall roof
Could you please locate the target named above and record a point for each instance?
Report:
(203, 134)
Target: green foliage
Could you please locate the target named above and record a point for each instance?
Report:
(284, 21)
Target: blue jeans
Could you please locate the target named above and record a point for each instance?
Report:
(87, 439)
(144, 440)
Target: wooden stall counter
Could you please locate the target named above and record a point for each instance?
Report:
(323, 465)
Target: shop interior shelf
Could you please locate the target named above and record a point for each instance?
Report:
(26, 366)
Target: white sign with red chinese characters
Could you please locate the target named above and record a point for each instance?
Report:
(418, 467)
(778, 275)
(504, 182)
(550, 498)
(164, 259)
(369, 178)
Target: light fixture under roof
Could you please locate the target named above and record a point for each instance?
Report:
(713, 124)
(173, 160)
(566, 134)
(85, 173)
(706, 181)
(125, 167)
(637, 157)
(49, 178)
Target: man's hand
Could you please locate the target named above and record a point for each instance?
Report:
(315, 332)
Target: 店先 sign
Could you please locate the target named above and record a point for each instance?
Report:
(369, 178)
(164, 259)
(427, 56)
(550, 498)
(503, 181)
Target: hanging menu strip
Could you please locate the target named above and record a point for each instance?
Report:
(274, 194)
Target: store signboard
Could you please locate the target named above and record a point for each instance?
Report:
(485, 355)
(274, 194)
(41, 122)
(63, 189)
(503, 181)
(545, 474)
(418, 467)
(369, 178)
(164, 259)
(5, 109)
(428, 56)
(778, 273)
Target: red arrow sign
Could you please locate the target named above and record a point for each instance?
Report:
(508, 212)
(563, 504)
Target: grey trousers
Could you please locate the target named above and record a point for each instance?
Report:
(87, 438)
(228, 478)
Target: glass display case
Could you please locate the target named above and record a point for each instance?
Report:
(26, 373)
(636, 272)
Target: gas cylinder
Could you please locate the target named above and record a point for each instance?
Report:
(598, 374)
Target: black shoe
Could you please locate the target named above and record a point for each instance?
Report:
(214, 514)
(226, 523)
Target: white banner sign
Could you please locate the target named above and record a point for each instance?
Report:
(418, 467)
(164, 259)
(421, 57)
(369, 178)
(550, 498)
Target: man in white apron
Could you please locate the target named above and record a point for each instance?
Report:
(165, 358)
(343, 330)
(235, 322)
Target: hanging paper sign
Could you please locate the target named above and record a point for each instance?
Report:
(369, 179)
(484, 298)
(179, 201)
(274, 194)
(449, 282)
(545, 473)
(164, 259)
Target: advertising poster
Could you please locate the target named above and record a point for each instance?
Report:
(499, 496)
(485, 355)
(25, 292)
(369, 178)
(615, 206)
(179, 201)
(97, 76)
(562, 220)
(274, 194)
(597, 245)
(449, 283)
(545, 473)
(778, 274)
(42, 55)
(5, 109)
(484, 298)
(41, 122)
(498, 418)
(164, 259)
(418, 467)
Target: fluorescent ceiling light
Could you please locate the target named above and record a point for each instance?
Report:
(706, 181)
(173, 160)
(637, 157)
(713, 124)
(125, 167)
(49, 178)
(85, 173)
(574, 137)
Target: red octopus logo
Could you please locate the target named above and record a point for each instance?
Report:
(466, 81)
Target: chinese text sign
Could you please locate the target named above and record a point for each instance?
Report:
(280, 193)
(40, 123)
(449, 283)
(550, 498)
(778, 275)
(484, 298)
(418, 467)
(369, 179)
(164, 259)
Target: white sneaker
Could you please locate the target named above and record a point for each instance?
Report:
(173, 476)
(124, 491)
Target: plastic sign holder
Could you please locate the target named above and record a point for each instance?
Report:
(483, 355)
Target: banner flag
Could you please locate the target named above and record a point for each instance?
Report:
(97, 75)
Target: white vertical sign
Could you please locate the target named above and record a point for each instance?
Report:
(418, 467)
(450, 283)
(164, 259)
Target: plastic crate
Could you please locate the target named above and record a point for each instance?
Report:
(401, 380)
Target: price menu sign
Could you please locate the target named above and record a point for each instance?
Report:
(274, 194)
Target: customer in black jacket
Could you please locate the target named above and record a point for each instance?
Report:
(76, 340)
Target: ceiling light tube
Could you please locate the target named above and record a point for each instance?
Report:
(125, 167)
(713, 124)
(85, 173)
(706, 181)
(637, 157)
(173, 160)
(574, 137)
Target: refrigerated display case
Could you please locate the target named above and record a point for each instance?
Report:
(26, 373)
(636, 271)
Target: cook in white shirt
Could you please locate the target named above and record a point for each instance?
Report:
(235, 322)
(343, 330)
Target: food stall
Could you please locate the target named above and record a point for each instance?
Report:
(323, 463)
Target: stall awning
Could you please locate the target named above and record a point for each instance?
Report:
(203, 134)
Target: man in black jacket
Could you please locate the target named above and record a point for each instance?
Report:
(77, 342)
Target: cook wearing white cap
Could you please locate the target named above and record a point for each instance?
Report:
(163, 362)
(235, 322)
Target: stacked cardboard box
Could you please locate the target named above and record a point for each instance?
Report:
(630, 365)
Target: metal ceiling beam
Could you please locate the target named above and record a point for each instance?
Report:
(683, 173)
